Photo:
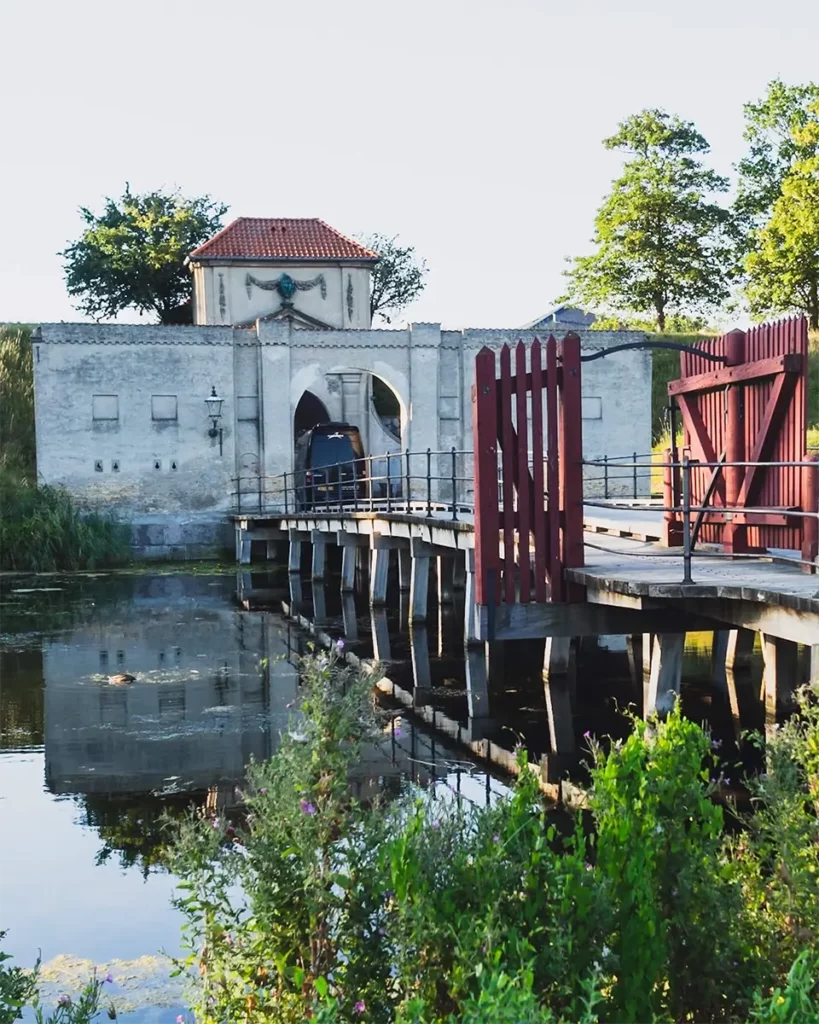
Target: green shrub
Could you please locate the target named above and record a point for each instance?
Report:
(17, 447)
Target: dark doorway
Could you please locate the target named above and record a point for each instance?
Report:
(309, 412)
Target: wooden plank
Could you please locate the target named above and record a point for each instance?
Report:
(701, 446)
(487, 517)
(789, 363)
(524, 489)
(571, 456)
(506, 435)
(555, 563)
(538, 495)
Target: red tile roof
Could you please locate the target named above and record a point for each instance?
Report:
(281, 238)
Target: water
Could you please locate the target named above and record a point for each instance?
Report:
(87, 768)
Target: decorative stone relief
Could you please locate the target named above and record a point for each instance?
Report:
(333, 383)
(286, 286)
(350, 297)
(222, 301)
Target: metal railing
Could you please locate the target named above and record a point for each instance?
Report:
(430, 483)
(693, 516)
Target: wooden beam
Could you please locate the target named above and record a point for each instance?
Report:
(775, 410)
(775, 620)
(791, 363)
(701, 446)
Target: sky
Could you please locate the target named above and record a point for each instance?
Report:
(472, 130)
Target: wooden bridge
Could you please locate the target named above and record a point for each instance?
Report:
(731, 547)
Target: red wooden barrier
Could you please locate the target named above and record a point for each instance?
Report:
(754, 409)
(538, 516)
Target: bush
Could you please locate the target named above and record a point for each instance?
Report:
(17, 447)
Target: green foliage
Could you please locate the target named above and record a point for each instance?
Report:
(17, 446)
(398, 277)
(662, 242)
(17, 987)
(796, 1003)
(41, 530)
(772, 130)
(133, 254)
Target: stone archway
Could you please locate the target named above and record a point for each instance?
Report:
(310, 411)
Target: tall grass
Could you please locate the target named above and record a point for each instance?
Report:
(42, 530)
(17, 447)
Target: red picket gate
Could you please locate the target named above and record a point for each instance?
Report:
(753, 409)
(528, 503)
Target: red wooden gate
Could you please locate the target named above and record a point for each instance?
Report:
(753, 409)
(528, 504)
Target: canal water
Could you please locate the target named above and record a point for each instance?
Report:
(88, 770)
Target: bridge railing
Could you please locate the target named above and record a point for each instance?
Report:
(693, 498)
(431, 483)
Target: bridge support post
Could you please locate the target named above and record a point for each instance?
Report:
(444, 571)
(559, 674)
(379, 570)
(244, 548)
(634, 652)
(814, 664)
(666, 672)
(318, 539)
(459, 570)
(477, 689)
(348, 613)
(779, 674)
(319, 603)
(470, 608)
(739, 649)
(419, 581)
(294, 551)
(404, 569)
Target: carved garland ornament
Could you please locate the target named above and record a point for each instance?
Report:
(222, 302)
(286, 286)
(349, 297)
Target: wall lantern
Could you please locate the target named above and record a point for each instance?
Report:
(214, 404)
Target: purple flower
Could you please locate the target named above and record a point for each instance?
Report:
(587, 735)
(436, 825)
(262, 791)
(307, 807)
(109, 979)
(716, 744)
(398, 732)
(340, 647)
(360, 1006)
(483, 949)
(180, 1019)
(588, 866)
(64, 1001)
(496, 838)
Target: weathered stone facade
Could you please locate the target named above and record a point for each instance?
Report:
(122, 422)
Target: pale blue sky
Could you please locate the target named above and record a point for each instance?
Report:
(471, 129)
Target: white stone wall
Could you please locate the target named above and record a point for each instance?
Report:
(262, 373)
(222, 296)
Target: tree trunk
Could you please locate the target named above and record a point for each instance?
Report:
(660, 316)
(813, 306)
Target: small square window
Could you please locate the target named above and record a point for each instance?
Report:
(105, 407)
(163, 407)
(174, 464)
(115, 466)
(157, 464)
(98, 465)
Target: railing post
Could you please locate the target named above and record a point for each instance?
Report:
(686, 507)
(407, 495)
(355, 485)
(429, 481)
(286, 509)
(239, 494)
(605, 476)
(454, 486)
(260, 492)
(634, 472)
(389, 489)
(571, 460)
(810, 504)
(671, 523)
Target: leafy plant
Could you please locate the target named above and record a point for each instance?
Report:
(17, 452)
(398, 277)
(17, 987)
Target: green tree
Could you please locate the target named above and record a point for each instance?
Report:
(662, 241)
(133, 254)
(783, 267)
(397, 278)
(772, 131)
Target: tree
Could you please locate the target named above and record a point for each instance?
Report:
(772, 128)
(133, 255)
(783, 265)
(662, 241)
(397, 278)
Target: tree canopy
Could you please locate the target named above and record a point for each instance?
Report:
(133, 254)
(397, 278)
(662, 242)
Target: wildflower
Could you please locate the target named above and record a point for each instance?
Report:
(605, 951)
(215, 823)
(180, 1019)
(398, 732)
(483, 949)
(307, 807)
(436, 825)
(587, 735)
(658, 829)
(109, 979)
(588, 866)
(340, 645)
(64, 1001)
(262, 791)
(496, 838)
(360, 1006)
(716, 744)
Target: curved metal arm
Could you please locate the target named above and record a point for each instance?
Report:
(675, 346)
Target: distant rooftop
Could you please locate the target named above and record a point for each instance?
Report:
(281, 238)
(570, 316)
